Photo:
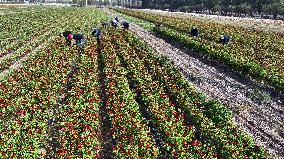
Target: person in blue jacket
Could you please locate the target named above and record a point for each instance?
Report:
(224, 39)
(194, 31)
(96, 32)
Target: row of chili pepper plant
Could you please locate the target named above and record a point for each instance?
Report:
(44, 38)
(28, 96)
(31, 46)
(170, 122)
(23, 22)
(79, 126)
(17, 41)
(224, 138)
(46, 114)
(18, 29)
(259, 41)
(212, 30)
(129, 130)
(261, 61)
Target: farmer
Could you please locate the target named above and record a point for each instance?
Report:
(194, 31)
(125, 25)
(158, 25)
(114, 23)
(96, 33)
(224, 39)
(79, 39)
(104, 24)
(65, 35)
(116, 18)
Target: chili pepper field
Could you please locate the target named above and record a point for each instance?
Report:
(117, 98)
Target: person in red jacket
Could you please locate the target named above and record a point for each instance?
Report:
(79, 39)
(65, 35)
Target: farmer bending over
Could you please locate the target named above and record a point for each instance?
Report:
(104, 24)
(158, 25)
(96, 33)
(116, 18)
(65, 35)
(224, 39)
(125, 25)
(194, 31)
(79, 39)
(114, 23)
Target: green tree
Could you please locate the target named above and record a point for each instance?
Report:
(244, 8)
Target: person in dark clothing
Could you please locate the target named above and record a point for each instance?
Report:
(65, 35)
(158, 25)
(96, 33)
(104, 24)
(194, 31)
(114, 23)
(224, 39)
(79, 39)
(125, 25)
(116, 18)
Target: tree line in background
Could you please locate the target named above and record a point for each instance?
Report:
(261, 8)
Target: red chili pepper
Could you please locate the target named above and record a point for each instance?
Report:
(79, 146)
(59, 151)
(148, 146)
(194, 142)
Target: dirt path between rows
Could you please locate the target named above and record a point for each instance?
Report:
(255, 110)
